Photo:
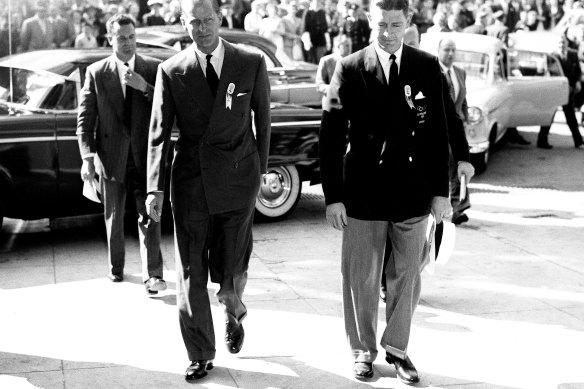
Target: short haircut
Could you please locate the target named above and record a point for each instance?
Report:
(187, 5)
(393, 5)
(121, 19)
(444, 40)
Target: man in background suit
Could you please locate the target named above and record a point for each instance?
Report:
(112, 125)
(37, 32)
(210, 90)
(571, 66)
(388, 100)
(456, 80)
(498, 29)
(327, 64)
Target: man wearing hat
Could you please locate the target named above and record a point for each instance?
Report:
(154, 18)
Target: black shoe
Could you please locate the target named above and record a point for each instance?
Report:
(521, 141)
(198, 369)
(459, 218)
(363, 370)
(234, 335)
(116, 278)
(579, 146)
(404, 369)
(383, 294)
(544, 145)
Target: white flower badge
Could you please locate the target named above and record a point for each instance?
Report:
(408, 93)
(229, 97)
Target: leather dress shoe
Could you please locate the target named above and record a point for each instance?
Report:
(362, 370)
(544, 145)
(234, 335)
(155, 285)
(404, 369)
(116, 278)
(459, 218)
(198, 369)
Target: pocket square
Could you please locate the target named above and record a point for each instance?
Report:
(419, 96)
(242, 94)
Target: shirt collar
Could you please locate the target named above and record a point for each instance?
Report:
(444, 68)
(218, 53)
(131, 62)
(384, 55)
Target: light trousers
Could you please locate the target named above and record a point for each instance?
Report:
(361, 267)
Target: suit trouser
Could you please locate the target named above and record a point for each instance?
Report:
(362, 265)
(571, 121)
(114, 202)
(219, 245)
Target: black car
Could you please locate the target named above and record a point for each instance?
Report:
(292, 82)
(39, 154)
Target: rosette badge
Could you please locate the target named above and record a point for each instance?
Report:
(231, 88)
(408, 93)
(228, 98)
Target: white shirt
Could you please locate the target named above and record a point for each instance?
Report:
(122, 70)
(384, 58)
(216, 60)
(455, 83)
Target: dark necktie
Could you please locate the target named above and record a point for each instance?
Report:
(212, 78)
(393, 75)
(128, 104)
(450, 84)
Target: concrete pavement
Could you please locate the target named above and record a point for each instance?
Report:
(507, 311)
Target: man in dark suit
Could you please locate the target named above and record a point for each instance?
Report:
(112, 126)
(456, 80)
(571, 67)
(387, 100)
(210, 90)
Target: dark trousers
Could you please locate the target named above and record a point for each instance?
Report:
(114, 201)
(570, 114)
(220, 246)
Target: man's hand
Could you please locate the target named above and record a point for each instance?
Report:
(440, 208)
(136, 81)
(87, 169)
(467, 169)
(154, 205)
(336, 214)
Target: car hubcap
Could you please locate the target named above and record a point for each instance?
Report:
(275, 188)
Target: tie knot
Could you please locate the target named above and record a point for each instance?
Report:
(126, 64)
(209, 58)
(392, 57)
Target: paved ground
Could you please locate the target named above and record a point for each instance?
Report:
(507, 311)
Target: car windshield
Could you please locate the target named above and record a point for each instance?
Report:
(37, 90)
(474, 63)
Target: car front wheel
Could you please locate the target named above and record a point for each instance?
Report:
(279, 192)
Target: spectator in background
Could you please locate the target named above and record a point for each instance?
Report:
(240, 10)
(75, 24)
(292, 31)
(356, 27)
(154, 17)
(480, 24)
(272, 27)
(253, 19)
(7, 45)
(226, 15)
(37, 32)
(63, 35)
(315, 37)
(85, 40)
(334, 19)
(440, 20)
(498, 29)
(134, 13)
(327, 64)
(173, 14)
(512, 9)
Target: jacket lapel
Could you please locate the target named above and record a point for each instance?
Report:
(195, 83)
(114, 88)
(372, 65)
(229, 74)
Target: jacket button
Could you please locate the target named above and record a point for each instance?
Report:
(236, 165)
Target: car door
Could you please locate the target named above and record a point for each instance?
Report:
(538, 87)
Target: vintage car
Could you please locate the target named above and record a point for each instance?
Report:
(506, 88)
(293, 82)
(39, 155)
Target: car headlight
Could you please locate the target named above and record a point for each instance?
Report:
(475, 115)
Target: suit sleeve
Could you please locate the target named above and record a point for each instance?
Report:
(161, 123)
(333, 134)
(321, 77)
(87, 115)
(456, 134)
(260, 104)
(439, 181)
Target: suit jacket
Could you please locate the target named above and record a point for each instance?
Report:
(571, 67)
(398, 157)
(460, 103)
(32, 36)
(100, 123)
(217, 159)
(456, 134)
(324, 73)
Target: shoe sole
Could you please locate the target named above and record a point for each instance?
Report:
(158, 287)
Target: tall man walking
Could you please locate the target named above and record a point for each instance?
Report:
(388, 99)
(112, 126)
(210, 90)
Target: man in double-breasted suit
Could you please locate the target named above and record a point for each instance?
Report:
(387, 100)
(210, 89)
(459, 166)
(112, 125)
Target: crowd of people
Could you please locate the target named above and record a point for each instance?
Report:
(303, 29)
